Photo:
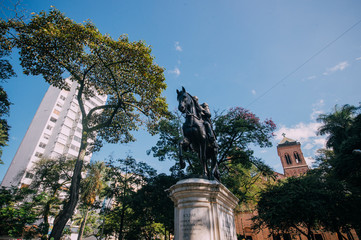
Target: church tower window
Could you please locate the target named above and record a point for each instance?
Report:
(297, 157)
(288, 159)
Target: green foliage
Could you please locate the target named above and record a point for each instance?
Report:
(6, 72)
(237, 131)
(296, 203)
(152, 205)
(51, 178)
(93, 222)
(91, 189)
(341, 162)
(246, 184)
(124, 177)
(93, 184)
(17, 214)
(52, 45)
(304, 204)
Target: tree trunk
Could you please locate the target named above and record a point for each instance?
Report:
(46, 215)
(67, 212)
(46, 221)
(82, 225)
(121, 223)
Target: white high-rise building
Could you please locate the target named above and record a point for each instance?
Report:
(54, 131)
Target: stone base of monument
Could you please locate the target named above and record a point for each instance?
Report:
(204, 210)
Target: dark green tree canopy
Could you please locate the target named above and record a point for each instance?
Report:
(6, 72)
(294, 204)
(342, 160)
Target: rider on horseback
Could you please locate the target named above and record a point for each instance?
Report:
(206, 117)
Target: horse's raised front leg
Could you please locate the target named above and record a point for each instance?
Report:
(182, 146)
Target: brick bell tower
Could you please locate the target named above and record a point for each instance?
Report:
(291, 156)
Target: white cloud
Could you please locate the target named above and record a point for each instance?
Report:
(178, 47)
(315, 114)
(316, 110)
(339, 67)
(320, 141)
(359, 58)
(310, 161)
(302, 132)
(308, 78)
(311, 77)
(308, 146)
(253, 92)
(175, 71)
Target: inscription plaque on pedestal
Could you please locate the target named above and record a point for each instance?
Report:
(194, 223)
(204, 210)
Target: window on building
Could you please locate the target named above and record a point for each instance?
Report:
(75, 148)
(49, 127)
(78, 129)
(42, 145)
(29, 175)
(46, 136)
(288, 159)
(68, 122)
(70, 156)
(99, 100)
(56, 112)
(62, 97)
(63, 137)
(58, 104)
(53, 119)
(39, 155)
(76, 138)
(297, 157)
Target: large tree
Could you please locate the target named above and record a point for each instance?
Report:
(237, 130)
(91, 188)
(54, 46)
(6, 71)
(152, 206)
(124, 177)
(50, 179)
(302, 204)
(342, 160)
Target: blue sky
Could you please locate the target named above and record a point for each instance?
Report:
(228, 53)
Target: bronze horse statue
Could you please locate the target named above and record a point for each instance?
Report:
(195, 136)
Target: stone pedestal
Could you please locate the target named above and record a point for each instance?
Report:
(204, 210)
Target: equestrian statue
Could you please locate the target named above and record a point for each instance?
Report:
(198, 134)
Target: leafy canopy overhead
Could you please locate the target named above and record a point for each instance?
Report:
(55, 46)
